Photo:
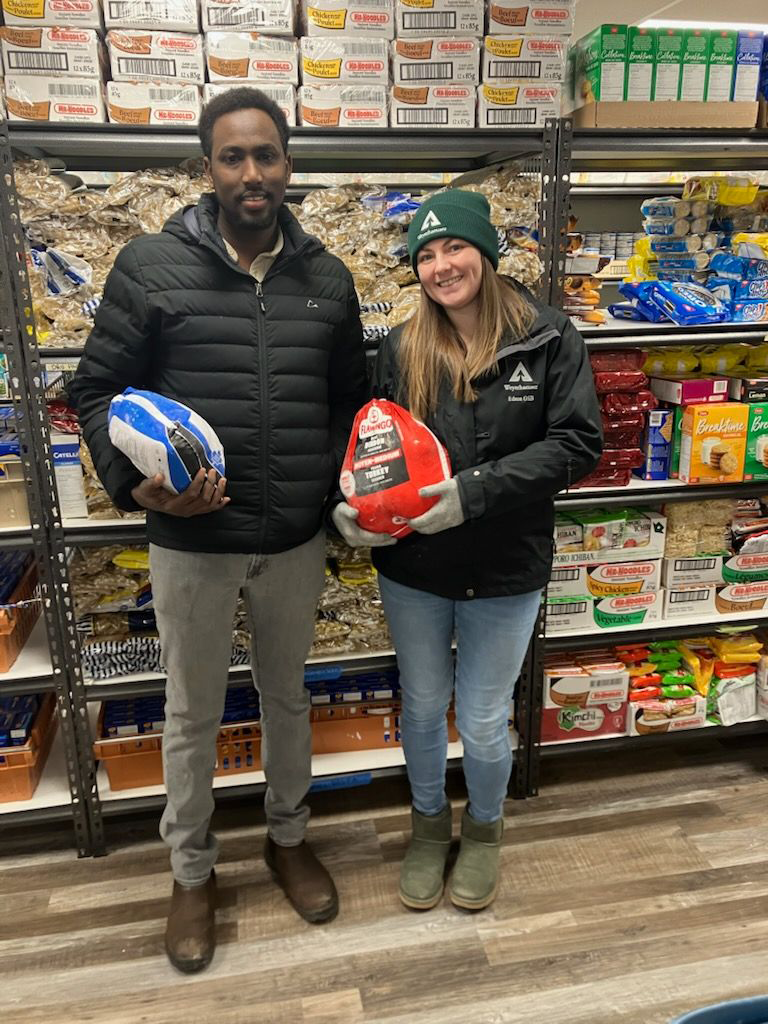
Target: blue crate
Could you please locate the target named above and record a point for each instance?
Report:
(742, 1011)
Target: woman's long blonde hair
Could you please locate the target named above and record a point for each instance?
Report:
(431, 350)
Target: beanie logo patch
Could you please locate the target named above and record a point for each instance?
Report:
(431, 222)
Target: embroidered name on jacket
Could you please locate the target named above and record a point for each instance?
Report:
(521, 387)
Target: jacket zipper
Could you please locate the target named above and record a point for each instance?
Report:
(264, 417)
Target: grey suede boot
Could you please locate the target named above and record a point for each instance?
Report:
(422, 875)
(475, 877)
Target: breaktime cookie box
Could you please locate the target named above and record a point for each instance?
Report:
(713, 443)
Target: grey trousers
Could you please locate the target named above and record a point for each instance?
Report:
(195, 595)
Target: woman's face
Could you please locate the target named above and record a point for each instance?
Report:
(450, 271)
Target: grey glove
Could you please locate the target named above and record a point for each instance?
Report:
(444, 514)
(344, 517)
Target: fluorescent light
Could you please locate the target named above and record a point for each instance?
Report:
(737, 26)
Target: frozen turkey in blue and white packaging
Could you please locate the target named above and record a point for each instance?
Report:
(162, 436)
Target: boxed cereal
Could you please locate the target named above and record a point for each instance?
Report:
(552, 16)
(165, 56)
(166, 15)
(276, 17)
(251, 56)
(61, 13)
(433, 106)
(284, 95)
(344, 59)
(60, 100)
(422, 61)
(75, 52)
(518, 105)
(439, 17)
(153, 103)
(533, 58)
(343, 106)
(349, 17)
(713, 443)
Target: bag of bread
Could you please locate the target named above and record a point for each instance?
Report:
(390, 456)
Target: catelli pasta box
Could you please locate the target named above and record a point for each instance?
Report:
(60, 100)
(75, 13)
(168, 56)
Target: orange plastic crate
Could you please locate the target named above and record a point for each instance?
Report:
(366, 728)
(16, 623)
(22, 767)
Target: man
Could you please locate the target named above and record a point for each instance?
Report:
(233, 310)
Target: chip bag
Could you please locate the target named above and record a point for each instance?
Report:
(390, 456)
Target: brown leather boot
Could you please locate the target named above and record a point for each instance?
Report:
(190, 935)
(304, 880)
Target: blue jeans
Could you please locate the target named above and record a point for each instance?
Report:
(492, 636)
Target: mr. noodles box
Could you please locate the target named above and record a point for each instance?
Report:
(532, 58)
(551, 16)
(344, 59)
(518, 105)
(60, 100)
(343, 106)
(349, 18)
(715, 568)
(277, 17)
(433, 106)
(611, 579)
(167, 15)
(74, 52)
(153, 103)
(283, 95)
(574, 614)
(168, 56)
(427, 61)
(251, 56)
(439, 17)
(74, 13)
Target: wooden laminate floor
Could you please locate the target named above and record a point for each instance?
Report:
(635, 888)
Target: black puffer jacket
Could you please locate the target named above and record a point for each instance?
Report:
(279, 378)
(534, 430)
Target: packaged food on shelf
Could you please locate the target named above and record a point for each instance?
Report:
(713, 443)
(618, 360)
(718, 567)
(343, 106)
(166, 15)
(722, 63)
(70, 51)
(161, 56)
(22, 765)
(344, 59)
(695, 58)
(641, 63)
(732, 696)
(559, 725)
(569, 535)
(442, 59)
(534, 58)
(282, 94)
(551, 16)
(607, 381)
(518, 104)
(83, 14)
(656, 445)
(690, 389)
(349, 17)
(58, 100)
(576, 614)
(664, 716)
(464, 17)
(756, 456)
(575, 682)
(600, 65)
(749, 312)
(610, 535)
(277, 17)
(433, 106)
(156, 103)
(251, 56)
(749, 57)
(605, 580)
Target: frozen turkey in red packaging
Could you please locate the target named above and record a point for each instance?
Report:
(390, 456)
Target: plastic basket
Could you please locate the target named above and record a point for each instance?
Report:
(742, 1011)
(16, 623)
(21, 767)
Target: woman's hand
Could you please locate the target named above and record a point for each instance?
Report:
(344, 519)
(445, 513)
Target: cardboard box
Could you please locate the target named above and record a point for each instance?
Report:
(349, 18)
(713, 443)
(715, 568)
(602, 65)
(645, 535)
(151, 103)
(561, 725)
(344, 59)
(284, 95)
(275, 17)
(33, 13)
(742, 597)
(748, 385)
(695, 63)
(519, 105)
(749, 58)
(421, 61)
(74, 52)
(164, 15)
(756, 458)
(669, 64)
(439, 17)
(434, 106)
(666, 115)
(533, 58)
(690, 389)
(662, 716)
(68, 473)
(551, 16)
(689, 600)
(722, 62)
(251, 56)
(343, 106)
(575, 614)
(641, 64)
(584, 689)
(749, 311)
(60, 100)
(161, 56)
(569, 535)
(605, 580)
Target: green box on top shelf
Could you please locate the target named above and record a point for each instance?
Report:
(694, 64)
(601, 64)
(641, 63)
(669, 57)
(722, 61)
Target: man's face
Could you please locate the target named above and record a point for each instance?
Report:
(248, 169)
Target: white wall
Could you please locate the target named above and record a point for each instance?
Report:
(590, 13)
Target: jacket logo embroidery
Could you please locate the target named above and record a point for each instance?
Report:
(311, 304)
(520, 375)
(521, 386)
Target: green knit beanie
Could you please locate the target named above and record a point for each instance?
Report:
(455, 214)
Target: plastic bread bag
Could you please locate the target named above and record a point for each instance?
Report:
(160, 435)
(720, 358)
(670, 360)
(390, 456)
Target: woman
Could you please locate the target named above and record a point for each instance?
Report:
(506, 385)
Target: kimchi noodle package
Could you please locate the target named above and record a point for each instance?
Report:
(390, 456)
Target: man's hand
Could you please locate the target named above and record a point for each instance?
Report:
(203, 495)
(344, 519)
